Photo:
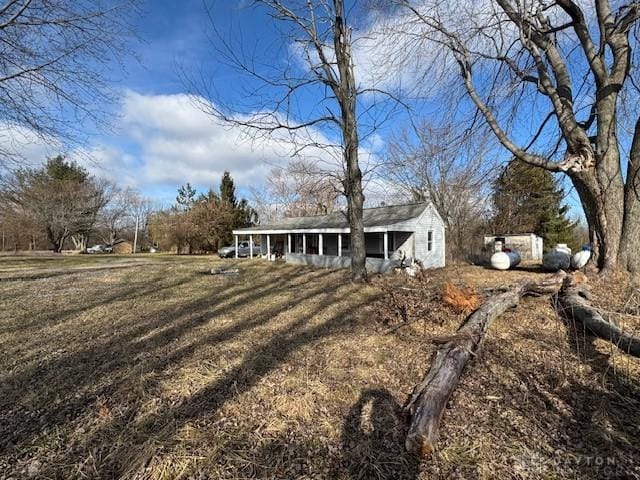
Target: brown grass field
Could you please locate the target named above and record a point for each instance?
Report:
(147, 368)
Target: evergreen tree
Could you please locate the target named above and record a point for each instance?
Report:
(186, 196)
(202, 222)
(58, 168)
(60, 198)
(529, 199)
(243, 215)
(228, 190)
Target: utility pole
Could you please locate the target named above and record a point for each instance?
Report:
(135, 236)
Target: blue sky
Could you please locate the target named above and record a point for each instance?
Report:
(161, 139)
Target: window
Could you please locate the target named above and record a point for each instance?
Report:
(430, 241)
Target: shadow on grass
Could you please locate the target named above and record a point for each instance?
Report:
(67, 388)
(607, 416)
(570, 422)
(373, 439)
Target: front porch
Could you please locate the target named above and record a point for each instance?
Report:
(333, 248)
(373, 265)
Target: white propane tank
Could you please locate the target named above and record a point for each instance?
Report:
(558, 258)
(505, 260)
(580, 259)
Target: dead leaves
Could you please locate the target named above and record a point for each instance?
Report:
(460, 299)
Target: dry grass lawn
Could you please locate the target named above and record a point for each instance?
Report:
(146, 367)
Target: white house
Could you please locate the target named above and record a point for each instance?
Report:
(414, 231)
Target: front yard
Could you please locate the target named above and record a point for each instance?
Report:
(146, 367)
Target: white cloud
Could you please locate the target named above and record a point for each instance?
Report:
(22, 146)
(164, 141)
(400, 52)
(178, 142)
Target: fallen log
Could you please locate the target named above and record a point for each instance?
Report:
(573, 301)
(427, 402)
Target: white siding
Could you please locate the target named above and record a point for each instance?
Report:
(403, 241)
(409, 236)
(430, 220)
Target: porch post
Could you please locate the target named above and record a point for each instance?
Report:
(250, 246)
(289, 242)
(304, 243)
(320, 244)
(236, 245)
(386, 245)
(339, 244)
(268, 247)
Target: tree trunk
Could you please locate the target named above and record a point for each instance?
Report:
(346, 93)
(80, 241)
(355, 201)
(630, 242)
(56, 239)
(429, 399)
(602, 199)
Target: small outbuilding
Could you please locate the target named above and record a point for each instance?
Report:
(528, 245)
(393, 232)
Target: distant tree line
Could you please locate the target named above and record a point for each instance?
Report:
(199, 223)
(61, 206)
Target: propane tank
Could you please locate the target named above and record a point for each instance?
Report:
(505, 260)
(580, 259)
(558, 258)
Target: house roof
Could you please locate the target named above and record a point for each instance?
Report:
(372, 217)
(526, 234)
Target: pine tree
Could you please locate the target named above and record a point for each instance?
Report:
(243, 214)
(228, 190)
(58, 168)
(528, 199)
(186, 196)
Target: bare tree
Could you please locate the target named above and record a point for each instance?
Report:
(565, 65)
(140, 211)
(449, 169)
(119, 214)
(90, 199)
(55, 55)
(298, 189)
(318, 64)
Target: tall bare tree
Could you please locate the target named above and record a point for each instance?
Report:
(297, 189)
(315, 68)
(449, 169)
(119, 215)
(565, 65)
(55, 56)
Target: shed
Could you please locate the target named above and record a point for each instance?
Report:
(529, 245)
(392, 232)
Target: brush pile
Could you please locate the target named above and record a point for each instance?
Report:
(406, 300)
(460, 299)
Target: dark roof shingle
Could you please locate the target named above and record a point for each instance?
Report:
(372, 217)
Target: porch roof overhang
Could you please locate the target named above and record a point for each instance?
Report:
(386, 218)
(267, 231)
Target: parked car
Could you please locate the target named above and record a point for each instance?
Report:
(244, 250)
(100, 249)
